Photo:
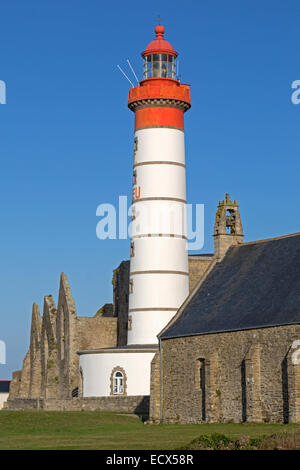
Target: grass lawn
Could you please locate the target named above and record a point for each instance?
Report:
(103, 430)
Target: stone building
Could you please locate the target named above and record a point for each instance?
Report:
(232, 351)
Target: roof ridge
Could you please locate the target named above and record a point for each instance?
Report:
(270, 239)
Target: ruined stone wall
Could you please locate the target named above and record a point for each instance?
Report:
(66, 340)
(25, 377)
(250, 375)
(50, 367)
(14, 389)
(198, 265)
(79, 333)
(35, 389)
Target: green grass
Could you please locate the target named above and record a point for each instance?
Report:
(103, 430)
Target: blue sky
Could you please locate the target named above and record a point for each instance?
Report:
(66, 134)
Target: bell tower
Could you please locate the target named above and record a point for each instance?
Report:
(228, 228)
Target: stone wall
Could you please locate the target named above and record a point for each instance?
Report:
(51, 366)
(198, 265)
(24, 385)
(249, 375)
(35, 353)
(125, 404)
(121, 290)
(78, 333)
(14, 389)
(49, 362)
(154, 410)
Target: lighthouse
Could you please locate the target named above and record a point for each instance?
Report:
(159, 258)
(158, 281)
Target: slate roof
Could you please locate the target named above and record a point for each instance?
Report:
(4, 386)
(256, 285)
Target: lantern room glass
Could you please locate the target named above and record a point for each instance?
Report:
(159, 66)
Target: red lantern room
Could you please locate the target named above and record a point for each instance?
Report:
(159, 99)
(159, 57)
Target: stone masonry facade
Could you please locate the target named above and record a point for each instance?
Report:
(124, 404)
(50, 367)
(250, 375)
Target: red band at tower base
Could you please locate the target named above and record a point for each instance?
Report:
(159, 116)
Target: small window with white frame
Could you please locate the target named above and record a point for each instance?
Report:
(130, 286)
(118, 383)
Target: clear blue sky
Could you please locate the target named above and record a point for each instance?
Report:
(66, 134)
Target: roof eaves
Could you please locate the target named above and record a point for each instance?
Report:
(276, 325)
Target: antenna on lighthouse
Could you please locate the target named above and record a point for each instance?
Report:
(132, 71)
(122, 71)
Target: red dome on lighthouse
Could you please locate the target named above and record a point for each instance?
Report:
(159, 45)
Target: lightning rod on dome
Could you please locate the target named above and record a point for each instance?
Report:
(122, 71)
(132, 71)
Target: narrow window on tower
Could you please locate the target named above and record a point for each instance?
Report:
(199, 373)
(135, 147)
(129, 323)
(132, 213)
(132, 249)
(134, 177)
(200, 383)
(130, 286)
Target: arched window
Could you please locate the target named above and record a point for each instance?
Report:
(230, 221)
(118, 383)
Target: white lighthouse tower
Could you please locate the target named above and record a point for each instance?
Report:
(159, 259)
